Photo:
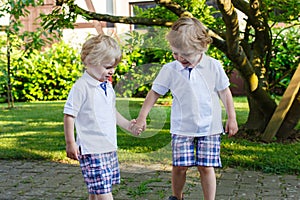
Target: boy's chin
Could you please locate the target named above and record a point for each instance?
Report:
(186, 64)
(107, 78)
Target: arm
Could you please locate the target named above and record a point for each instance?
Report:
(124, 123)
(227, 100)
(150, 100)
(71, 147)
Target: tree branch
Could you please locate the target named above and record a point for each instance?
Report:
(232, 26)
(235, 51)
(120, 19)
(175, 8)
(218, 41)
(243, 6)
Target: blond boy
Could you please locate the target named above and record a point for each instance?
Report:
(196, 81)
(91, 108)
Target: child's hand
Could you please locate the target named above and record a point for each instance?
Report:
(140, 125)
(135, 130)
(231, 127)
(72, 151)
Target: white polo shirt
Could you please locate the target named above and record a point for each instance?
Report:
(196, 109)
(95, 115)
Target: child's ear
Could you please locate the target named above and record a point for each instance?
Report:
(88, 63)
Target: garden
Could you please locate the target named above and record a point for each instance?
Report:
(31, 126)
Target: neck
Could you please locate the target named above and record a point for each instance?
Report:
(194, 64)
(92, 75)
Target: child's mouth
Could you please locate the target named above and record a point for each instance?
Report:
(185, 62)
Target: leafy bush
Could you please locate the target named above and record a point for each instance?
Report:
(143, 57)
(285, 59)
(47, 75)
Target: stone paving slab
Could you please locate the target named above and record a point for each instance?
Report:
(34, 180)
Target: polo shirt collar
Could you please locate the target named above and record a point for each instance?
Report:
(179, 66)
(203, 62)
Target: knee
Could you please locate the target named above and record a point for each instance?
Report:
(180, 169)
(205, 170)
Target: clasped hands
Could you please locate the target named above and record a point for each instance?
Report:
(137, 126)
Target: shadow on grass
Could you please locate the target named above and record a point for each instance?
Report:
(32, 131)
(268, 158)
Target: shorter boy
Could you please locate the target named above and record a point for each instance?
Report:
(91, 108)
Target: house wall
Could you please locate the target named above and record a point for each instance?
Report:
(113, 7)
(30, 22)
(236, 84)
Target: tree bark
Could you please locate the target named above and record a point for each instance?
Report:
(10, 99)
(292, 118)
(119, 19)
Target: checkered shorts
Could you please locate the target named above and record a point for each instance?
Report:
(196, 151)
(100, 171)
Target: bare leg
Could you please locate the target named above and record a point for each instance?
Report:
(208, 182)
(107, 196)
(178, 180)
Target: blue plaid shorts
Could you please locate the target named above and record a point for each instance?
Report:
(100, 171)
(196, 151)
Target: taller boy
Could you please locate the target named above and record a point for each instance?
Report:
(196, 81)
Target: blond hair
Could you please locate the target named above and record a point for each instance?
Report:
(99, 49)
(189, 35)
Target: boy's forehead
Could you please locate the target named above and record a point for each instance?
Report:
(110, 60)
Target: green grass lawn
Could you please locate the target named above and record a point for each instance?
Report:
(34, 131)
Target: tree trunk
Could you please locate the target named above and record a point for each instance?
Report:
(255, 120)
(261, 109)
(292, 118)
(10, 99)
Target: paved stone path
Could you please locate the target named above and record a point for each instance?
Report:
(49, 180)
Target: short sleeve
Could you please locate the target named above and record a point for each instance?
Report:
(74, 102)
(160, 89)
(222, 81)
(162, 82)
